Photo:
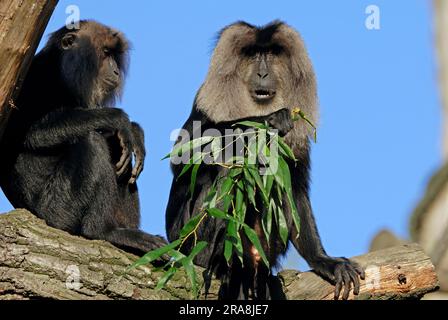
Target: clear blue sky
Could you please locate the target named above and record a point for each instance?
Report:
(379, 138)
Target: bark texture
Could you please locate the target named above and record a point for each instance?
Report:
(37, 261)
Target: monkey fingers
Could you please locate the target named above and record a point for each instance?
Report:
(347, 284)
(342, 280)
(346, 273)
(138, 167)
(338, 285)
(126, 155)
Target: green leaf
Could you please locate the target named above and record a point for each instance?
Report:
(234, 172)
(185, 169)
(176, 256)
(226, 186)
(267, 219)
(268, 181)
(250, 192)
(154, 255)
(227, 250)
(197, 249)
(278, 176)
(234, 236)
(278, 192)
(256, 175)
(194, 174)
(165, 278)
(215, 212)
(251, 124)
(239, 202)
(227, 202)
(282, 225)
(248, 176)
(188, 146)
(191, 273)
(210, 199)
(253, 237)
(288, 188)
(304, 117)
(190, 225)
(195, 159)
(286, 149)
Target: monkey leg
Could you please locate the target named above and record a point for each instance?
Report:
(236, 283)
(114, 216)
(83, 198)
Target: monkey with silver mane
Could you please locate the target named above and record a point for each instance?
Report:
(257, 73)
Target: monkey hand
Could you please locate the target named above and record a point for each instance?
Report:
(342, 273)
(139, 152)
(282, 121)
(126, 143)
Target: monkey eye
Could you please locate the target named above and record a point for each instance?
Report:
(250, 51)
(276, 50)
(107, 51)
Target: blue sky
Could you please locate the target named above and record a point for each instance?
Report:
(379, 136)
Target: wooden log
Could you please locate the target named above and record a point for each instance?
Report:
(22, 23)
(37, 261)
(402, 272)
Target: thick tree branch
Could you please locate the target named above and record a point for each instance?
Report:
(37, 261)
(22, 23)
(402, 272)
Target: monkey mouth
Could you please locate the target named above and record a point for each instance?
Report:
(263, 94)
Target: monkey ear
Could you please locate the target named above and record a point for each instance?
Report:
(68, 41)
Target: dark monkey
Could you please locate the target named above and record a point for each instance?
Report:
(66, 155)
(260, 73)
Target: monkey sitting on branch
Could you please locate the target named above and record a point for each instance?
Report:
(255, 72)
(67, 155)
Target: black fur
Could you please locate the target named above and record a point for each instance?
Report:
(237, 282)
(59, 152)
(221, 97)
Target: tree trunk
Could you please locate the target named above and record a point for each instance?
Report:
(441, 43)
(22, 23)
(37, 261)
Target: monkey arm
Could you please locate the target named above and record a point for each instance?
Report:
(308, 244)
(340, 271)
(68, 126)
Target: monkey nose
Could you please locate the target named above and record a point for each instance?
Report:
(262, 75)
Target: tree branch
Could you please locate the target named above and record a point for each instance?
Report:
(22, 23)
(37, 261)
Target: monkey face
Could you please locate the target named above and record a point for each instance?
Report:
(255, 71)
(262, 81)
(93, 62)
(109, 73)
